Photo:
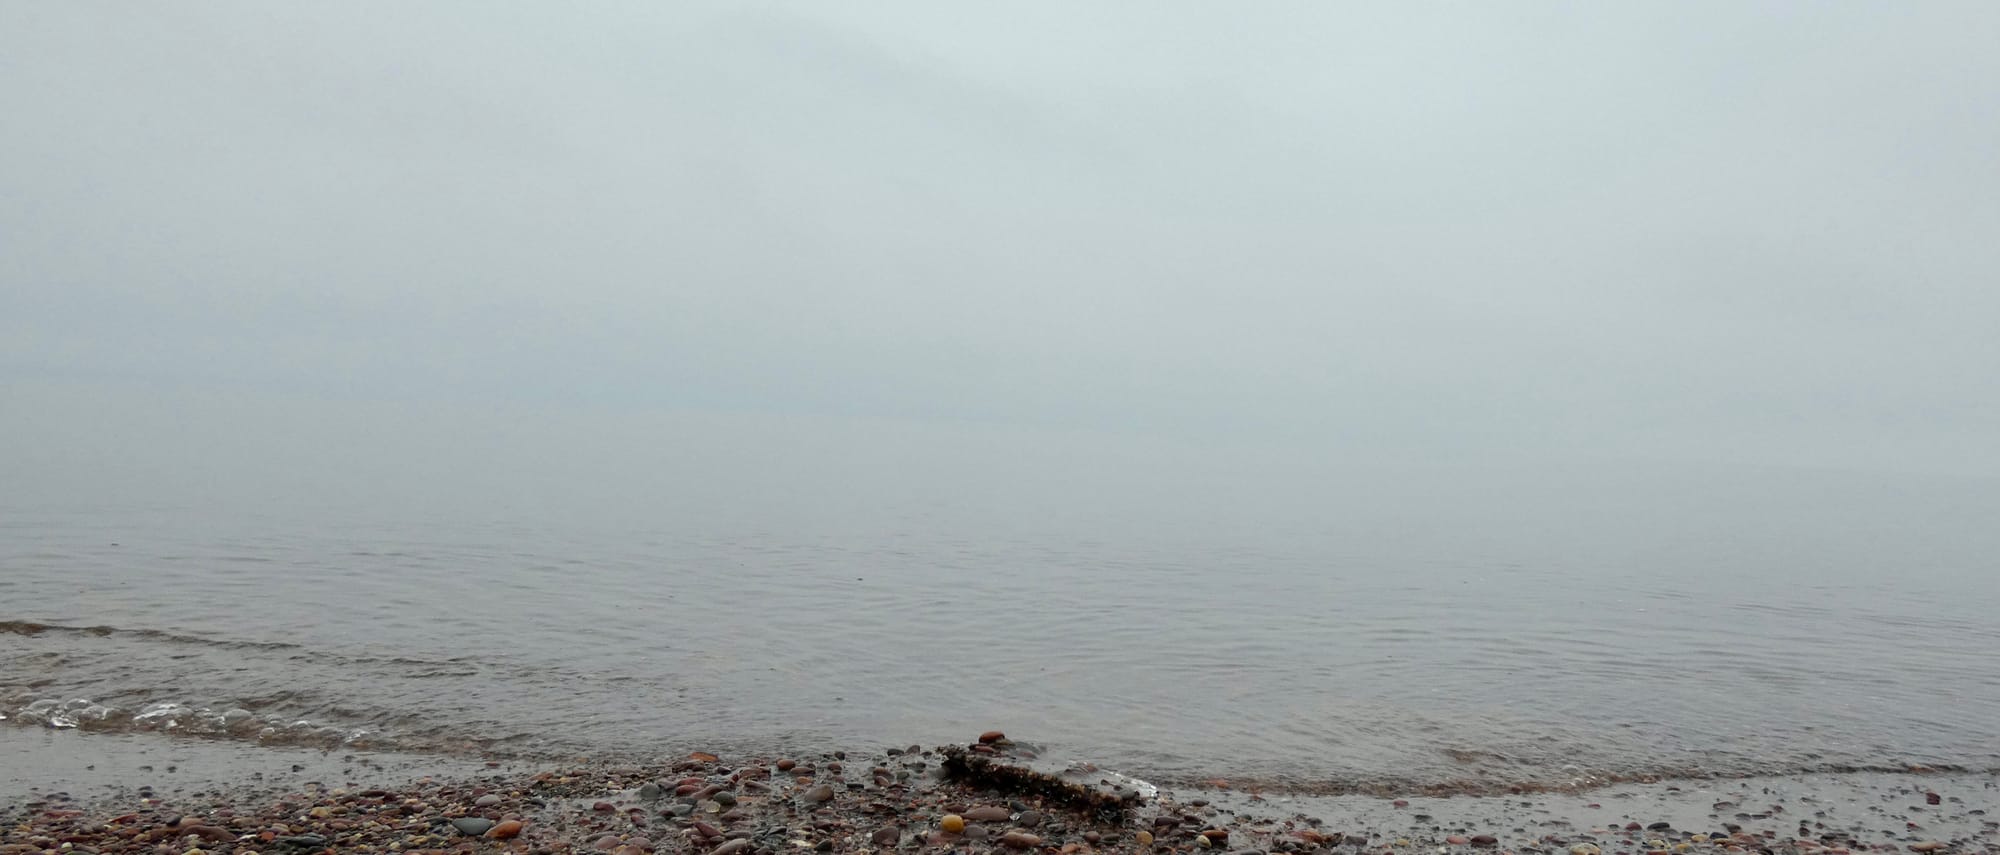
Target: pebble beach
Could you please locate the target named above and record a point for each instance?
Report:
(904, 800)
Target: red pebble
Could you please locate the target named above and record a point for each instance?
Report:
(603, 806)
(510, 828)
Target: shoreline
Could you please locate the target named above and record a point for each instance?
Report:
(182, 797)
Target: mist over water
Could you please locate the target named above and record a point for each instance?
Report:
(1235, 616)
(1307, 394)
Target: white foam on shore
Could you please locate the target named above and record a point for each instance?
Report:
(173, 717)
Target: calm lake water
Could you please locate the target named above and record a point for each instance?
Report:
(1352, 626)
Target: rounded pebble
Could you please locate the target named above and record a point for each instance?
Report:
(952, 823)
(1020, 840)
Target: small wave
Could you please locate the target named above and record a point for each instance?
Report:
(454, 665)
(241, 724)
(175, 718)
(31, 628)
(283, 694)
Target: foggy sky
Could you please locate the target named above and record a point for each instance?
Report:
(1708, 232)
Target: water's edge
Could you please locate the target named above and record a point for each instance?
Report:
(61, 770)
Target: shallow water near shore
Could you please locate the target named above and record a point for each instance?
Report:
(110, 768)
(1548, 631)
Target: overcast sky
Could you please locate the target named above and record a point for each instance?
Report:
(1740, 232)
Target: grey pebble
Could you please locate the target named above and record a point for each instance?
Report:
(472, 826)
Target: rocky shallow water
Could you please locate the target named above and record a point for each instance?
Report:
(899, 799)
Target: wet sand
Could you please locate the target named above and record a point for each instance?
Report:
(87, 793)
